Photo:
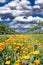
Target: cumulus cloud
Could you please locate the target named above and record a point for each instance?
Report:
(21, 3)
(20, 18)
(36, 6)
(4, 10)
(17, 8)
(2, 1)
(30, 18)
(0, 19)
(38, 1)
(24, 2)
(18, 26)
(16, 3)
(20, 12)
(28, 22)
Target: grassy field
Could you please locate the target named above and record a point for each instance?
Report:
(31, 36)
(21, 49)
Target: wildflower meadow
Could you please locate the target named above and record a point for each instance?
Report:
(21, 49)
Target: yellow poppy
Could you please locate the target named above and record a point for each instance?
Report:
(7, 62)
(2, 46)
(36, 52)
(37, 62)
(26, 57)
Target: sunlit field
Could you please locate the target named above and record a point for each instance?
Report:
(21, 49)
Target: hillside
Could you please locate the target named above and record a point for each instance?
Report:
(4, 29)
(35, 29)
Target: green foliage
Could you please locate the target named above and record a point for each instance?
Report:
(40, 23)
(34, 28)
(4, 29)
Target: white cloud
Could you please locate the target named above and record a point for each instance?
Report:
(16, 26)
(2, 1)
(36, 6)
(24, 2)
(17, 12)
(35, 19)
(28, 7)
(28, 19)
(20, 18)
(4, 10)
(0, 19)
(38, 1)
(27, 26)
(21, 11)
(20, 8)
(11, 4)
(8, 19)
(18, 3)
(23, 19)
(21, 26)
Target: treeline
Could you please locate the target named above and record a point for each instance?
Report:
(4, 29)
(36, 28)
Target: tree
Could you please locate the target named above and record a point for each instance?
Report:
(40, 23)
(4, 29)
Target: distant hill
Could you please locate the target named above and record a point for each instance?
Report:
(4, 29)
(35, 29)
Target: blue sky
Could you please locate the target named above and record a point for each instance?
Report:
(16, 13)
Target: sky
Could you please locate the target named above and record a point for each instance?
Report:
(21, 14)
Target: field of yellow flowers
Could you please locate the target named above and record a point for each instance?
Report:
(21, 49)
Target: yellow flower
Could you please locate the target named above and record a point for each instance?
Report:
(2, 45)
(36, 52)
(32, 64)
(29, 46)
(37, 62)
(26, 57)
(7, 62)
(8, 57)
(18, 61)
(18, 45)
(10, 39)
(31, 53)
(19, 64)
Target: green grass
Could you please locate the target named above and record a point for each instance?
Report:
(3, 38)
(34, 37)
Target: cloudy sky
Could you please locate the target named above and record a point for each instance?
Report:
(21, 14)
